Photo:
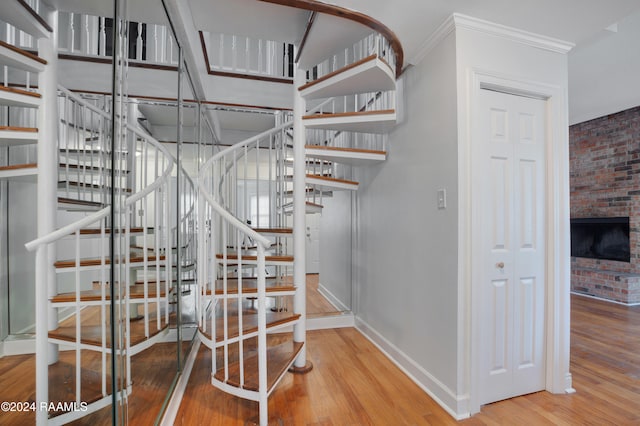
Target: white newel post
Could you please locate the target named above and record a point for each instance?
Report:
(46, 316)
(48, 161)
(299, 217)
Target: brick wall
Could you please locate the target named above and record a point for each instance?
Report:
(605, 181)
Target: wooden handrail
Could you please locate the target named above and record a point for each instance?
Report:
(352, 15)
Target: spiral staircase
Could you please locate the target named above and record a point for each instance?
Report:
(249, 275)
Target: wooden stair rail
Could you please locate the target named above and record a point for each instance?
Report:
(341, 12)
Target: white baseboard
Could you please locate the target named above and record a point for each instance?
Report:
(19, 346)
(331, 321)
(456, 405)
(335, 302)
(173, 406)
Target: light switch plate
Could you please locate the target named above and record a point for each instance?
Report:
(442, 199)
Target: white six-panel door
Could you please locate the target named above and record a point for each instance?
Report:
(510, 200)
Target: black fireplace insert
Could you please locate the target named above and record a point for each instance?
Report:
(601, 238)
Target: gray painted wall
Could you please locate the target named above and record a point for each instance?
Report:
(4, 278)
(22, 229)
(406, 258)
(335, 246)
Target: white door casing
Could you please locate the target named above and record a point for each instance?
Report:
(510, 197)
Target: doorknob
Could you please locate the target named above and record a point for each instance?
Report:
(500, 265)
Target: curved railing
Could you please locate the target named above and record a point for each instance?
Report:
(143, 218)
(227, 183)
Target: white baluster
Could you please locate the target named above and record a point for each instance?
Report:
(221, 53)
(259, 56)
(85, 35)
(247, 55)
(139, 43)
(154, 44)
(234, 53)
(102, 44)
(71, 34)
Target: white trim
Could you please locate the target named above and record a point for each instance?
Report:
(433, 40)
(173, 406)
(589, 296)
(344, 320)
(513, 34)
(331, 298)
(557, 312)
(458, 20)
(19, 346)
(455, 405)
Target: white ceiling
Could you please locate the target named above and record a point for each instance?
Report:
(250, 18)
(604, 73)
(146, 11)
(569, 20)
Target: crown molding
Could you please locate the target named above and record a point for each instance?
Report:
(457, 21)
(446, 28)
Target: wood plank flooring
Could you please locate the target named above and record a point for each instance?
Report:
(353, 383)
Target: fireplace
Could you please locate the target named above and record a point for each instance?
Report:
(604, 238)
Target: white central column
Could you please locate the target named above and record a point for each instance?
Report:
(299, 216)
(47, 189)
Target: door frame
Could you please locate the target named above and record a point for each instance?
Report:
(557, 265)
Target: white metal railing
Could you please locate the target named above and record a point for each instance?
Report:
(374, 44)
(17, 116)
(84, 154)
(142, 222)
(245, 55)
(16, 37)
(88, 35)
(252, 169)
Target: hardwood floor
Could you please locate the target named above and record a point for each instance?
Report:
(317, 305)
(153, 371)
(353, 383)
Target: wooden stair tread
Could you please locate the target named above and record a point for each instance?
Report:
(18, 129)
(253, 257)
(86, 168)
(348, 114)
(274, 230)
(16, 57)
(98, 231)
(92, 334)
(250, 285)
(136, 292)
(279, 358)
(19, 91)
(19, 166)
(85, 203)
(89, 151)
(249, 323)
(337, 72)
(14, 135)
(97, 262)
(376, 121)
(332, 179)
(87, 185)
(23, 52)
(340, 149)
